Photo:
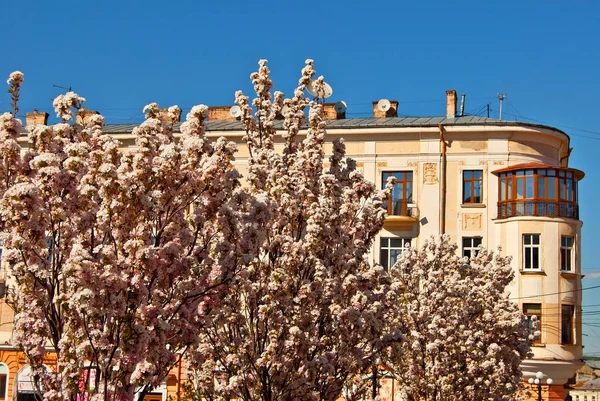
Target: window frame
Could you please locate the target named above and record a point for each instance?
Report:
(6, 375)
(567, 253)
(569, 326)
(529, 313)
(472, 248)
(552, 192)
(406, 243)
(404, 199)
(472, 183)
(532, 246)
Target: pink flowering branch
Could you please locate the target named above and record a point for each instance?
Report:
(117, 256)
(464, 338)
(306, 313)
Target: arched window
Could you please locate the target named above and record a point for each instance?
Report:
(24, 384)
(3, 381)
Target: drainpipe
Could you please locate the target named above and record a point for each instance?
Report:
(179, 380)
(569, 150)
(442, 182)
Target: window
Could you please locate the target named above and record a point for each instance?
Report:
(391, 249)
(402, 194)
(470, 246)
(566, 254)
(531, 252)
(472, 186)
(567, 312)
(533, 312)
(538, 192)
(3, 381)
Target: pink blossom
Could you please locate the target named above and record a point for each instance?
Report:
(15, 78)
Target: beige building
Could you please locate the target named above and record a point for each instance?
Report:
(482, 181)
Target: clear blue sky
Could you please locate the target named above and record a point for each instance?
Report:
(121, 55)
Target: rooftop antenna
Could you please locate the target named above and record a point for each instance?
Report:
(63, 87)
(501, 97)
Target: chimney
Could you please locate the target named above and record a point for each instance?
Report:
(219, 113)
(392, 112)
(450, 103)
(36, 117)
(83, 115)
(165, 114)
(330, 114)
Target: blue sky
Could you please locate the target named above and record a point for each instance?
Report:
(121, 55)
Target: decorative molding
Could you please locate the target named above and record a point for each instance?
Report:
(430, 173)
(462, 163)
(472, 221)
(382, 164)
(412, 164)
(498, 162)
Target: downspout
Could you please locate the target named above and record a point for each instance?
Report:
(179, 380)
(442, 182)
(569, 150)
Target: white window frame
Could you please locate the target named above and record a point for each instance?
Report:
(385, 244)
(5, 371)
(472, 248)
(567, 264)
(531, 246)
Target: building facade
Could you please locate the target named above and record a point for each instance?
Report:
(483, 182)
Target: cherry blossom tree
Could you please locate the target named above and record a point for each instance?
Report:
(305, 315)
(464, 338)
(116, 255)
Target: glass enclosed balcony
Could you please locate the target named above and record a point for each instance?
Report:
(535, 189)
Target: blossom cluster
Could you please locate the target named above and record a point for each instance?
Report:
(63, 105)
(15, 78)
(116, 255)
(463, 338)
(306, 312)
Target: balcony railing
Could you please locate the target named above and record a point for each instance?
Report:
(402, 207)
(548, 208)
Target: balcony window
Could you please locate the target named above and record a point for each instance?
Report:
(538, 192)
(402, 193)
(531, 252)
(566, 253)
(472, 186)
(390, 250)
